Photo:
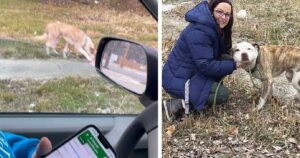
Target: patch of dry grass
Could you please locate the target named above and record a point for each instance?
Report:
(269, 22)
(234, 130)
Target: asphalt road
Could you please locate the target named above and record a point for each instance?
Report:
(44, 69)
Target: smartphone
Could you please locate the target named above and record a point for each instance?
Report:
(89, 142)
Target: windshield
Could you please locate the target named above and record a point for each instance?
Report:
(47, 51)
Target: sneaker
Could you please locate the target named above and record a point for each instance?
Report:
(173, 108)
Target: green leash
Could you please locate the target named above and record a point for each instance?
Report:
(215, 97)
(221, 120)
(251, 78)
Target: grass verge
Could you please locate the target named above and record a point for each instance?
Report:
(72, 94)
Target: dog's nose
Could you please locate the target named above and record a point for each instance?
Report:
(245, 57)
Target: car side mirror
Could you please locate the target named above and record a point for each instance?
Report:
(129, 65)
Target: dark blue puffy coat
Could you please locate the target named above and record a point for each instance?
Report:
(195, 57)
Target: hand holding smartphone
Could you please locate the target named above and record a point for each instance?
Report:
(89, 142)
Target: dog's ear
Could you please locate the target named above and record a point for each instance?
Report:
(255, 45)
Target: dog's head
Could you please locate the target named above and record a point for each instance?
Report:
(245, 52)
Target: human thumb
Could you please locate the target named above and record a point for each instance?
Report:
(44, 147)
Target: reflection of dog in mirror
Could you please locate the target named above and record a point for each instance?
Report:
(270, 61)
(74, 36)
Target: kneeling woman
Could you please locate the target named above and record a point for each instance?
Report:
(200, 57)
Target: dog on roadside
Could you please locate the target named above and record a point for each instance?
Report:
(270, 61)
(54, 31)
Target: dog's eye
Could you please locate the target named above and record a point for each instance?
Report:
(249, 48)
(236, 50)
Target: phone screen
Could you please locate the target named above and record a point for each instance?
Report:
(85, 144)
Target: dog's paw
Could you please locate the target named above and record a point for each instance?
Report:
(260, 104)
(55, 52)
(256, 109)
(92, 63)
(65, 56)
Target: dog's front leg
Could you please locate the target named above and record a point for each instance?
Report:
(267, 89)
(51, 45)
(47, 51)
(83, 52)
(66, 50)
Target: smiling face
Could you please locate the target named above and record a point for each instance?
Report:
(222, 14)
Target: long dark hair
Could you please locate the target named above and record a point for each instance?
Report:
(226, 32)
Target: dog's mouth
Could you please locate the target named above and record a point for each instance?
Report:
(245, 57)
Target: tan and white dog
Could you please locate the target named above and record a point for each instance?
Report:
(74, 36)
(271, 61)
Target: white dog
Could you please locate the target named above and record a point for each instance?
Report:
(74, 36)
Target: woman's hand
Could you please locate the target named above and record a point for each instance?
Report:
(42, 148)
